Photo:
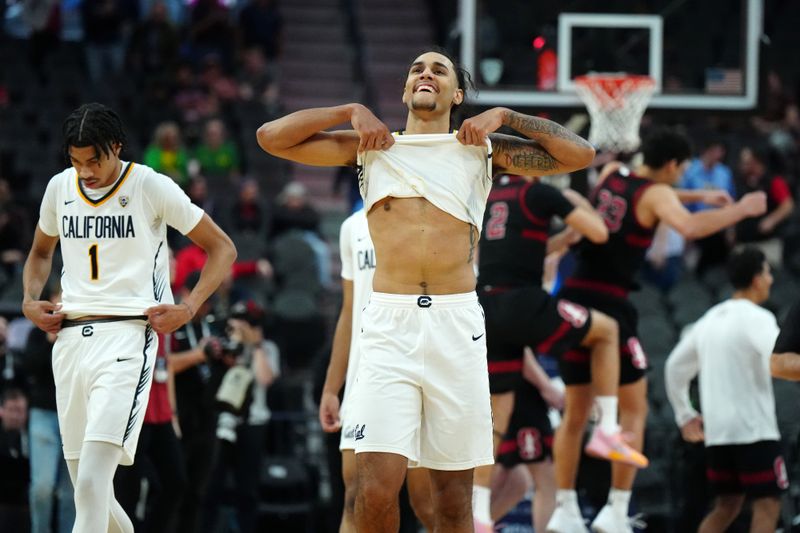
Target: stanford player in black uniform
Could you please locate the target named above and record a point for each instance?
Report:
(632, 204)
(520, 313)
(785, 360)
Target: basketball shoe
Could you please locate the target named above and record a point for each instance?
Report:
(612, 447)
(611, 520)
(566, 520)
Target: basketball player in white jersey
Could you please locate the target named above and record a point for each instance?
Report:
(422, 393)
(111, 218)
(358, 264)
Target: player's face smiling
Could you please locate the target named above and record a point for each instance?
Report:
(95, 169)
(432, 84)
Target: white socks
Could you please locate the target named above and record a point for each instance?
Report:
(619, 500)
(607, 405)
(481, 504)
(568, 499)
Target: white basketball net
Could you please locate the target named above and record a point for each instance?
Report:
(616, 103)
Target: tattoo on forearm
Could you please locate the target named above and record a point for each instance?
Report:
(534, 127)
(473, 240)
(513, 152)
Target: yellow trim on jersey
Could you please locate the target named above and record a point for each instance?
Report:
(109, 194)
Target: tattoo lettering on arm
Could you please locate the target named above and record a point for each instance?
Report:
(522, 154)
(473, 240)
(534, 126)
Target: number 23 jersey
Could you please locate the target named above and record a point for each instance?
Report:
(114, 246)
(619, 260)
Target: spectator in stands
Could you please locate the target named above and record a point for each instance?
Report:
(764, 231)
(153, 50)
(12, 374)
(210, 31)
(166, 153)
(294, 212)
(663, 265)
(258, 80)
(730, 348)
(242, 424)
(14, 235)
(261, 25)
(192, 258)
(50, 482)
(104, 24)
(198, 193)
(14, 462)
(219, 84)
(218, 157)
(192, 100)
(709, 172)
(43, 17)
(248, 214)
(176, 10)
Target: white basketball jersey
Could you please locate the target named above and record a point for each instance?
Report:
(114, 247)
(453, 177)
(358, 266)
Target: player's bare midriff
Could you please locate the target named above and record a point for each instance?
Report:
(420, 249)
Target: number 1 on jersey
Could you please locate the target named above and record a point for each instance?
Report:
(93, 262)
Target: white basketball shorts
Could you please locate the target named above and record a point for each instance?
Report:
(422, 387)
(103, 372)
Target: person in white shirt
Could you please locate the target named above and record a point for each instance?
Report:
(422, 391)
(111, 218)
(358, 265)
(730, 348)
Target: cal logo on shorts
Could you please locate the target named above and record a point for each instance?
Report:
(358, 431)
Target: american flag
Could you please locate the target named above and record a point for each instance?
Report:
(724, 81)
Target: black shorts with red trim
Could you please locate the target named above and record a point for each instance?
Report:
(756, 470)
(529, 438)
(575, 365)
(527, 316)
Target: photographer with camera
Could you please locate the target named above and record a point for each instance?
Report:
(247, 366)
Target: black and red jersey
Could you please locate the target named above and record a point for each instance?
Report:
(516, 226)
(613, 266)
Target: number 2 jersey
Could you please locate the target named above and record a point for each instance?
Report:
(114, 246)
(515, 231)
(615, 264)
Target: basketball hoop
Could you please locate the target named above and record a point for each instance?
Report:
(616, 103)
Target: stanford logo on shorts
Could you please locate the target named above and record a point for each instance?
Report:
(781, 477)
(638, 357)
(529, 443)
(575, 314)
